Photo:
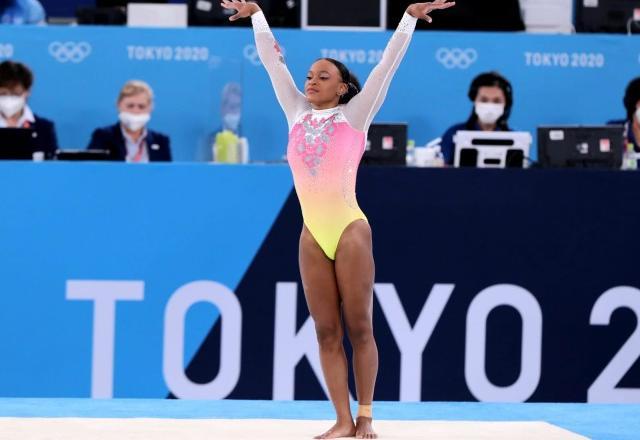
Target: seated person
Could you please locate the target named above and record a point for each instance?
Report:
(129, 139)
(21, 12)
(492, 96)
(16, 81)
(632, 122)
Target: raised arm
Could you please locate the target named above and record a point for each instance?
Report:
(361, 110)
(290, 98)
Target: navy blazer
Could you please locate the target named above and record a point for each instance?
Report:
(111, 139)
(46, 140)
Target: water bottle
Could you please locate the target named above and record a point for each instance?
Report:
(629, 161)
(411, 152)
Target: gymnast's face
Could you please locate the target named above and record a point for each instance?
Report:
(324, 85)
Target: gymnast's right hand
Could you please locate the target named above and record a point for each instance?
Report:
(244, 9)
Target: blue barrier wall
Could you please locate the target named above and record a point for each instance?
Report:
(490, 285)
(557, 79)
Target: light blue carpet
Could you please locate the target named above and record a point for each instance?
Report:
(610, 422)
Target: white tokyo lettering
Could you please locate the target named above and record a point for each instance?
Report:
(104, 294)
(412, 340)
(606, 389)
(167, 53)
(225, 300)
(293, 342)
(565, 60)
(353, 56)
(526, 305)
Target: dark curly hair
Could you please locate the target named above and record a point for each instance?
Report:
(348, 78)
(631, 98)
(491, 79)
(13, 73)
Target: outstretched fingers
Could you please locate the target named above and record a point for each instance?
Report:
(441, 4)
(436, 5)
(227, 4)
(233, 4)
(242, 7)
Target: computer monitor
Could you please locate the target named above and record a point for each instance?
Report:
(492, 149)
(581, 146)
(386, 144)
(17, 143)
(610, 16)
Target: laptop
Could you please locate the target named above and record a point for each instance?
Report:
(386, 144)
(581, 146)
(492, 149)
(17, 143)
(83, 155)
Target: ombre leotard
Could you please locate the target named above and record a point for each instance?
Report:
(325, 146)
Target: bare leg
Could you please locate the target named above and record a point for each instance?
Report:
(323, 300)
(355, 274)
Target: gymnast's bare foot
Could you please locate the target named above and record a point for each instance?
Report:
(364, 428)
(340, 430)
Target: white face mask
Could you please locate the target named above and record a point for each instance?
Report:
(12, 105)
(489, 113)
(134, 122)
(231, 121)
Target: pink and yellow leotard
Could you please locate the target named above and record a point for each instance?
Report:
(326, 146)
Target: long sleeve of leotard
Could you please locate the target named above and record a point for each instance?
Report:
(290, 98)
(361, 110)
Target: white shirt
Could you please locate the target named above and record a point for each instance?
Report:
(26, 118)
(133, 147)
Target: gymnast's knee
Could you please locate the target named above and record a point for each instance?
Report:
(360, 333)
(329, 336)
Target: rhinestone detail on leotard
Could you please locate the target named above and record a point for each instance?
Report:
(311, 140)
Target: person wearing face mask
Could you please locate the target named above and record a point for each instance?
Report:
(632, 122)
(129, 139)
(21, 12)
(492, 98)
(16, 80)
(231, 109)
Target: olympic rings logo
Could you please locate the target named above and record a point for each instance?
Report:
(250, 52)
(456, 58)
(69, 51)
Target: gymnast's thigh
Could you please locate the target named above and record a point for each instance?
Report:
(319, 283)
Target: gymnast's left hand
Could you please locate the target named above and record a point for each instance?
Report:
(422, 10)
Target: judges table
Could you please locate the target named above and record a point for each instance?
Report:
(509, 285)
